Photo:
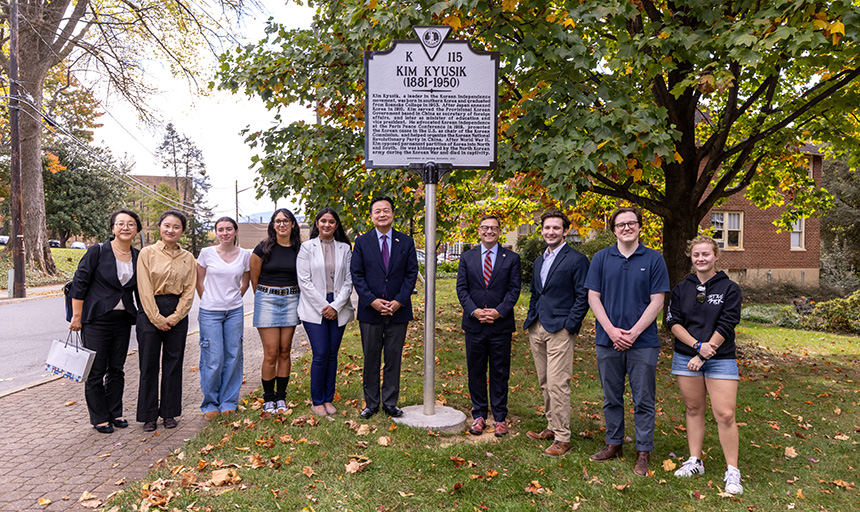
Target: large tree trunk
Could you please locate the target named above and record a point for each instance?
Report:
(32, 75)
(677, 230)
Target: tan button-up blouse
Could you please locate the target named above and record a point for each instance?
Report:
(161, 272)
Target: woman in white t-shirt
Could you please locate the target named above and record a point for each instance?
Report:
(223, 276)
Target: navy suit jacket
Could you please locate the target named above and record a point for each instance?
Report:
(96, 283)
(372, 282)
(502, 292)
(563, 302)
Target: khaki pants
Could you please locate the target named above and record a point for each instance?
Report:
(553, 355)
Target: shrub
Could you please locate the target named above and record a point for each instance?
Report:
(774, 314)
(837, 315)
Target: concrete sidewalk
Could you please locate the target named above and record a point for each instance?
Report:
(49, 450)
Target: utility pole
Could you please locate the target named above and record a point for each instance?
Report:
(19, 287)
(237, 198)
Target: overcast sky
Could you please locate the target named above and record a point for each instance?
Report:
(213, 122)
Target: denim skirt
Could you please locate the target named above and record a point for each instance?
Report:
(272, 310)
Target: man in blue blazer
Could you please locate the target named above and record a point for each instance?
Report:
(488, 286)
(384, 270)
(559, 302)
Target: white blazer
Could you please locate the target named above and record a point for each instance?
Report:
(310, 267)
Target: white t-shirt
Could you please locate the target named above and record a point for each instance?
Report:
(223, 280)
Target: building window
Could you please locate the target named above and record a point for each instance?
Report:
(524, 229)
(797, 235)
(728, 229)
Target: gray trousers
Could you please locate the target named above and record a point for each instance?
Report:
(639, 365)
(384, 339)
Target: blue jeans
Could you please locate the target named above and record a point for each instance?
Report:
(640, 367)
(325, 341)
(221, 358)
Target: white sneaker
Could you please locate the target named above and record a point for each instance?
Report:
(269, 407)
(282, 406)
(690, 467)
(733, 481)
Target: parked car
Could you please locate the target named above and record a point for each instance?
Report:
(421, 258)
(78, 245)
(4, 239)
(53, 243)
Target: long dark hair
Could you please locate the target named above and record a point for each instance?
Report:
(295, 234)
(339, 233)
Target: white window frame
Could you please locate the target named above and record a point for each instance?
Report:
(721, 234)
(797, 235)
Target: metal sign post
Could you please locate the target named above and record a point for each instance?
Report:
(431, 100)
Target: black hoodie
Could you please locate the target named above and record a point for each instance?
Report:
(720, 312)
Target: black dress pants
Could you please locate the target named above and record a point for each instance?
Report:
(108, 336)
(494, 351)
(169, 346)
(387, 337)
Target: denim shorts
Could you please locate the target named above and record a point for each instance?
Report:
(722, 369)
(271, 310)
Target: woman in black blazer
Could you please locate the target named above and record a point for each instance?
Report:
(103, 310)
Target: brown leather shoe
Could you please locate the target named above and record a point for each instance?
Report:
(542, 435)
(642, 460)
(211, 415)
(557, 449)
(500, 428)
(478, 426)
(610, 451)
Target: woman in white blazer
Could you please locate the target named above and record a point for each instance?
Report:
(325, 304)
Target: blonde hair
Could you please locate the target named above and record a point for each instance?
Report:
(702, 240)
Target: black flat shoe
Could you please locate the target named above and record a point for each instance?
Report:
(393, 411)
(120, 423)
(150, 426)
(104, 429)
(367, 413)
(170, 423)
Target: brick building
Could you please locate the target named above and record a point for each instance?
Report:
(752, 250)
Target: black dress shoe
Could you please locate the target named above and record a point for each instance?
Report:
(170, 423)
(150, 426)
(104, 429)
(120, 423)
(393, 411)
(367, 413)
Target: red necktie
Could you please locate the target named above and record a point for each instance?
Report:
(488, 269)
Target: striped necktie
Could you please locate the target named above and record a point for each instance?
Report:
(488, 269)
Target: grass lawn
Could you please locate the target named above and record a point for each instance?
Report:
(66, 260)
(797, 410)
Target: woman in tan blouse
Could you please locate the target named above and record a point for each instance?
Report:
(166, 279)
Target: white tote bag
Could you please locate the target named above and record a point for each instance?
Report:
(69, 358)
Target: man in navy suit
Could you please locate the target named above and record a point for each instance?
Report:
(559, 302)
(384, 269)
(488, 286)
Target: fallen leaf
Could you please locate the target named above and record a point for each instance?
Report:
(725, 495)
(621, 487)
(458, 461)
(669, 465)
(363, 430)
(44, 502)
(843, 484)
(87, 495)
(221, 477)
(458, 485)
(841, 437)
(790, 452)
(535, 488)
(256, 461)
(405, 494)
(103, 455)
(308, 471)
(492, 473)
(383, 441)
(799, 494)
(70, 402)
(92, 504)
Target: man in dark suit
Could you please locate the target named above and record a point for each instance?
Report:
(488, 286)
(384, 269)
(559, 302)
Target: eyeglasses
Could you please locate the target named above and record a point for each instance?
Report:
(489, 228)
(632, 224)
(279, 222)
(123, 225)
(700, 297)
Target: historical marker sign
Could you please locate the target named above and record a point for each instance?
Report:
(431, 100)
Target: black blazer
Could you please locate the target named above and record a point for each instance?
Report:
(501, 294)
(96, 283)
(563, 302)
(372, 282)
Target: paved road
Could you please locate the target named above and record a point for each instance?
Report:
(26, 331)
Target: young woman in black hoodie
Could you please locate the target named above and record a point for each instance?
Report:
(704, 310)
